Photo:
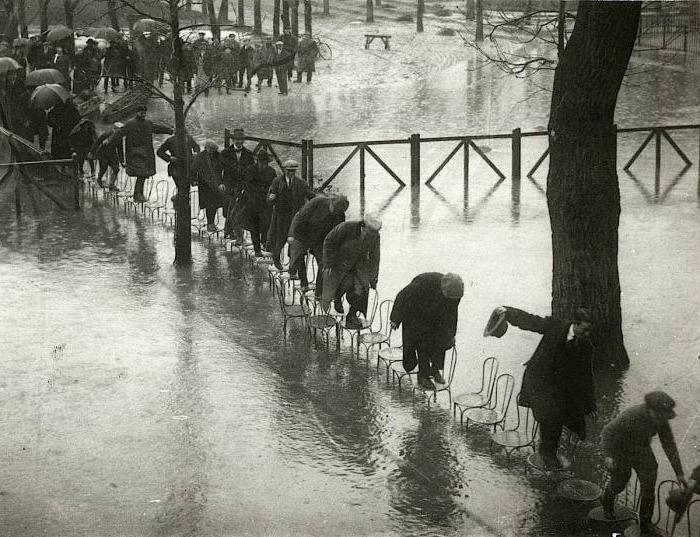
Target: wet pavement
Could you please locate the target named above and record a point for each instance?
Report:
(140, 399)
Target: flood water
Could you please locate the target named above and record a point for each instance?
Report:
(140, 399)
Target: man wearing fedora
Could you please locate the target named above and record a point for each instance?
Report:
(427, 310)
(287, 194)
(235, 159)
(309, 229)
(626, 446)
(351, 265)
(255, 212)
(558, 380)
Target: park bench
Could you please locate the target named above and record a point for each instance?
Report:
(371, 37)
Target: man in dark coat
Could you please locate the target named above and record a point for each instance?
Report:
(189, 66)
(235, 159)
(306, 58)
(114, 66)
(227, 70)
(280, 67)
(210, 185)
(82, 137)
(61, 62)
(309, 229)
(140, 157)
(255, 212)
(287, 195)
(108, 156)
(427, 308)
(626, 445)
(290, 43)
(168, 152)
(351, 263)
(62, 118)
(558, 379)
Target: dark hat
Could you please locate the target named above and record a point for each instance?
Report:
(238, 132)
(662, 403)
(497, 325)
(263, 155)
(90, 41)
(452, 286)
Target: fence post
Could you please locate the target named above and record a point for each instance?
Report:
(685, 39)
(657, 170)
(304, 154)
(77, 182)
(310, 159)
(516, 142)
(466, 162)
(362, 180)
(415, 160)
(18, 203)
(227, 136)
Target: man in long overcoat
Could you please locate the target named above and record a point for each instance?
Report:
(108, 157)
(114, 65)
(255, 212)
(306, 57)
(427, 310)
(309, 229)
(288, 193)
(290, 43)
(210, 185)
(558, 380)
(62, 118)
(235, 159)
(140, 157)
(351, 264)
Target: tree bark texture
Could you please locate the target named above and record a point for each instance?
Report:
(241, 12)
(295, 17)
(308, 18)
(21, 8)
(561, 28)
(377, 3)
(420, 8)
(276, 18)
(285, 14)
(9, 26)
(370, 11)
(44, 18)
(69, 12)
(583, 193)
(257, 17)
(213, 21)
(479, 16)
(470, 11)
(113, 15)
(223, 12)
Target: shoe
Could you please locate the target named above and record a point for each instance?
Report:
(551, 462)
(338, 305)
(425, 383)
(352, 322)
(648, 529)
(437, 377)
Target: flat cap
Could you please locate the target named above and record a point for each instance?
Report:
(662, 403)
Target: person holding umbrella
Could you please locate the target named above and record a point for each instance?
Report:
(140, 157)
(62, 118)
(427, 308)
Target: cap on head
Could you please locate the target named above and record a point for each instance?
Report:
(211, 144)
(452, 286)
(238, 133)
(291, 164)
(661, 403)
(372, 222)
(340, 201)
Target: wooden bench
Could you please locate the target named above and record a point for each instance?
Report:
(371, 37)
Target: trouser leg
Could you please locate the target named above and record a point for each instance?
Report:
(300, 268)
(309, 74)
(138, 187)
(114, 175)
(423, 350)
(319, 277)
(646, 468)
(619, 476)
(103, 170)
(211, 214)
(356, 298)
(550, 431)
(255, 233)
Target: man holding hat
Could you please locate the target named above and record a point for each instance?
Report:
(287, 194)
(255, 213)
(558, 380)
(626, 445)
(351, 266)
(308, 231)
(235, 159)
(427, 308)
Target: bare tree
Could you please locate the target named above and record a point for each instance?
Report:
(479, 14)
(420, 9)
(285, 14)
(21, 9)
(10, 26)
(223, 12)
(308, 17)
(113, 14)
(370, 11)
(241, 12)
(213, 21)
(295, 17)
(257, 17)
(326, 7)
(276, 18)
(44, 17)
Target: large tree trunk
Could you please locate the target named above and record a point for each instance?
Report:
(561, 28)
(582, 186)
(21, 8)
(257, 16)
(420, 8)
(9, 26)
(44, 18)
(370, 11)
(241, 12)
(285, 14)
(113, 15)
(479, 16)
(69, 12)
(223, 12)
(295, 17)
(276, 18)
(308, 22)
(213, 22)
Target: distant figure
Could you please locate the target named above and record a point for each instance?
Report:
(62, 118)
(627, 445)
(244, 59)
(189, 66)
(427, 308)
(308, 231)
(306, 58)
(169, 153)
(280, 67)
(37, 125)
(351, 263)
(235, 159)
(227, 70)
(264, 56)
(114, 66)
(288, 193)
(290, 43)
(140, 157)
(558, 379)
(255, 212)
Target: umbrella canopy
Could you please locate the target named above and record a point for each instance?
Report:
(8, 64)
(44, 76)
(48, 96)
(58, 33)
(20, 42)
(149, 25)
(109, 34)
(85, 31)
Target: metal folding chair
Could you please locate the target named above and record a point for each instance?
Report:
(365, 324)
(290, 310)
(161, 190)
(465, 401)
(381, 336)
(493, 414)
(521, 436)
(389, 356)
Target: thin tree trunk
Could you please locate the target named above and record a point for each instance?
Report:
(285, 14)
(583, 193)
(44, 18)
(9, 27)
(308, 22)
(479, 15)
(69, 12)
(326, 7)
(370, 11)
(213, 22)
(113, 15)
(561, 28)
(276, 18)
(420, 8)
(204, 7)
(295, 17)
(470, 11)
(241, 13)
(257, 16)
(223, 12)
(377, 3)
(21, 8)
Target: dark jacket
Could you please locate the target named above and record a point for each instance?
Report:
(208, 174)
(253, 197)
(62, 118)
(234, 168)
(168, 151)
(111, 153)
(350, 259)
(310, 226)
(140, 157)
(558, 379)
(287, 202)
(426, 315)
(62, 63)
(82, 137)
(306, 55)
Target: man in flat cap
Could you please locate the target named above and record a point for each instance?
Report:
(255, 212)
(427, 309)
(308, 231)
(287, 194)
(351, 265)
(626, 445)
(235, 159)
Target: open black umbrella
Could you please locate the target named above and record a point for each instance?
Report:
(48, 96)
(8, 64)
(44, 76)
(109, 34)
(20, 42)
(59, 33)
(149, 25)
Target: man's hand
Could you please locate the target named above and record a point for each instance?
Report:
(290, 240)
(394, 325)
(609, 463)
(451, 343)
(174, 160)
(500, 310)
(272, 197)
(681, 479)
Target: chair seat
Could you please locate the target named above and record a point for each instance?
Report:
(484, 416)
(512, 439)
(373, 338)
(364, 325)
(579, 490)
(471, 400)
(296, 310)
(322, 322)
(263, 260)
(535, 461)
(391, 354)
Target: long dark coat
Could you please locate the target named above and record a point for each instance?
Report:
(288, 201)
(208, 174)
(62, 118)
(168, 150)
(234, 169)
(310, 226)
(140, 157)
(115, 62)
(253, 197)
(306, 55)
(426, 316)
(557, 384)
(353, 261)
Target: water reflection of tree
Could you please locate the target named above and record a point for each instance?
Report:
(143, 259)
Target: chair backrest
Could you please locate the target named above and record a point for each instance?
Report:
(148, 188)
(450, 365)
(631, 495)
(125, 184)
(525, 420)
(663, 517)
(502, 393)
(692, 517)
(489, 372)
(372, 305)
(279, 291)
(162, 189)
(194, 204)
(569, 443)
